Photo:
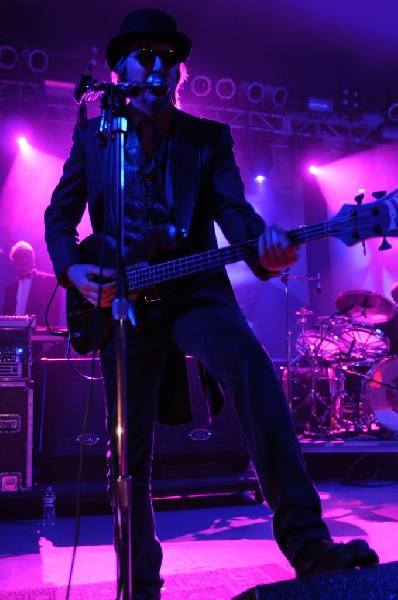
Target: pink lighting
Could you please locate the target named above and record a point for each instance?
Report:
(27, 191)
(23, 143)
(361, 266)
(314, 170)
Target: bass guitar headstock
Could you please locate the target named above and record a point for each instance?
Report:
(357, 222)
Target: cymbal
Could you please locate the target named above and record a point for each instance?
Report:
(304, 312)
(365, 306)
(333, 319)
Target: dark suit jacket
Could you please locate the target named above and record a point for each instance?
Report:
(203, 185)
(41, 289)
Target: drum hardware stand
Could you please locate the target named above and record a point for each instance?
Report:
(286, 275)
(341, 399)
(313, 397)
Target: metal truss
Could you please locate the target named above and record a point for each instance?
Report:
(19, 90)
(284, 126)
(281, 127)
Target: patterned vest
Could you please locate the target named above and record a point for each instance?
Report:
(144, 185)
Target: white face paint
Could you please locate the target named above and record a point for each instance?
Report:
(158, 68)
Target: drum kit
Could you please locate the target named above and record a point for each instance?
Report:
(343, 379)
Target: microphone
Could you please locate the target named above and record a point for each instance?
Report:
(157, 85)
(318, 283)
(89, 89)
(85, 84)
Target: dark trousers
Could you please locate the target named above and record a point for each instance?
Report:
(218, 335)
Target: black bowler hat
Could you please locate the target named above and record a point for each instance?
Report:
(147, 24)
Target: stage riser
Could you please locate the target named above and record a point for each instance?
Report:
(370, 583)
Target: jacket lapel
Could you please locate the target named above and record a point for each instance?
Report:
(183, 167)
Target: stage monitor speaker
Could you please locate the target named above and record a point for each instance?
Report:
(63, 391)
(371, 583)
(205, 448)
(209, 446)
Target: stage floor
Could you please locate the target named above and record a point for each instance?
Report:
(215, 547)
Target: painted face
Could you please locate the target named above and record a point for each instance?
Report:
(152, 60)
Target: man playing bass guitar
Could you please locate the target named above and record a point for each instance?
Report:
(180, 169)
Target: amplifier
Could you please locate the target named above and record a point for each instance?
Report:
(63, 390)
(16, 427)
(15, 353)
(17, 320)
(210, 446)
(62, 393)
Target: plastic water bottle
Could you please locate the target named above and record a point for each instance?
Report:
(49, 507)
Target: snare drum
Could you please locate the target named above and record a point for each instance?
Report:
(380, 390)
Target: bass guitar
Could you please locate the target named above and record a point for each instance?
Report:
(352, 224)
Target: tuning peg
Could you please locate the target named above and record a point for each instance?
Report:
(358, 198)
(379, 195)
(385, 245)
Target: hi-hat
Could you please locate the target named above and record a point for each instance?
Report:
(365, 306)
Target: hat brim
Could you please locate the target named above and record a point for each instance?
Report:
(119, 44)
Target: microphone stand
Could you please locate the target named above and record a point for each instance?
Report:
(285, 280)
(112, 131)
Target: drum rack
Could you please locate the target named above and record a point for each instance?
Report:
(342, 384)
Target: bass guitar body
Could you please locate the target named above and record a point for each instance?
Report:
(90, 327)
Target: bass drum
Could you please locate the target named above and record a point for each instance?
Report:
(380, 390)
(318, 344)
(363, 343)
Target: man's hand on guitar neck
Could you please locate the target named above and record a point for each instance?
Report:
(276, 251)
(84, 278)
